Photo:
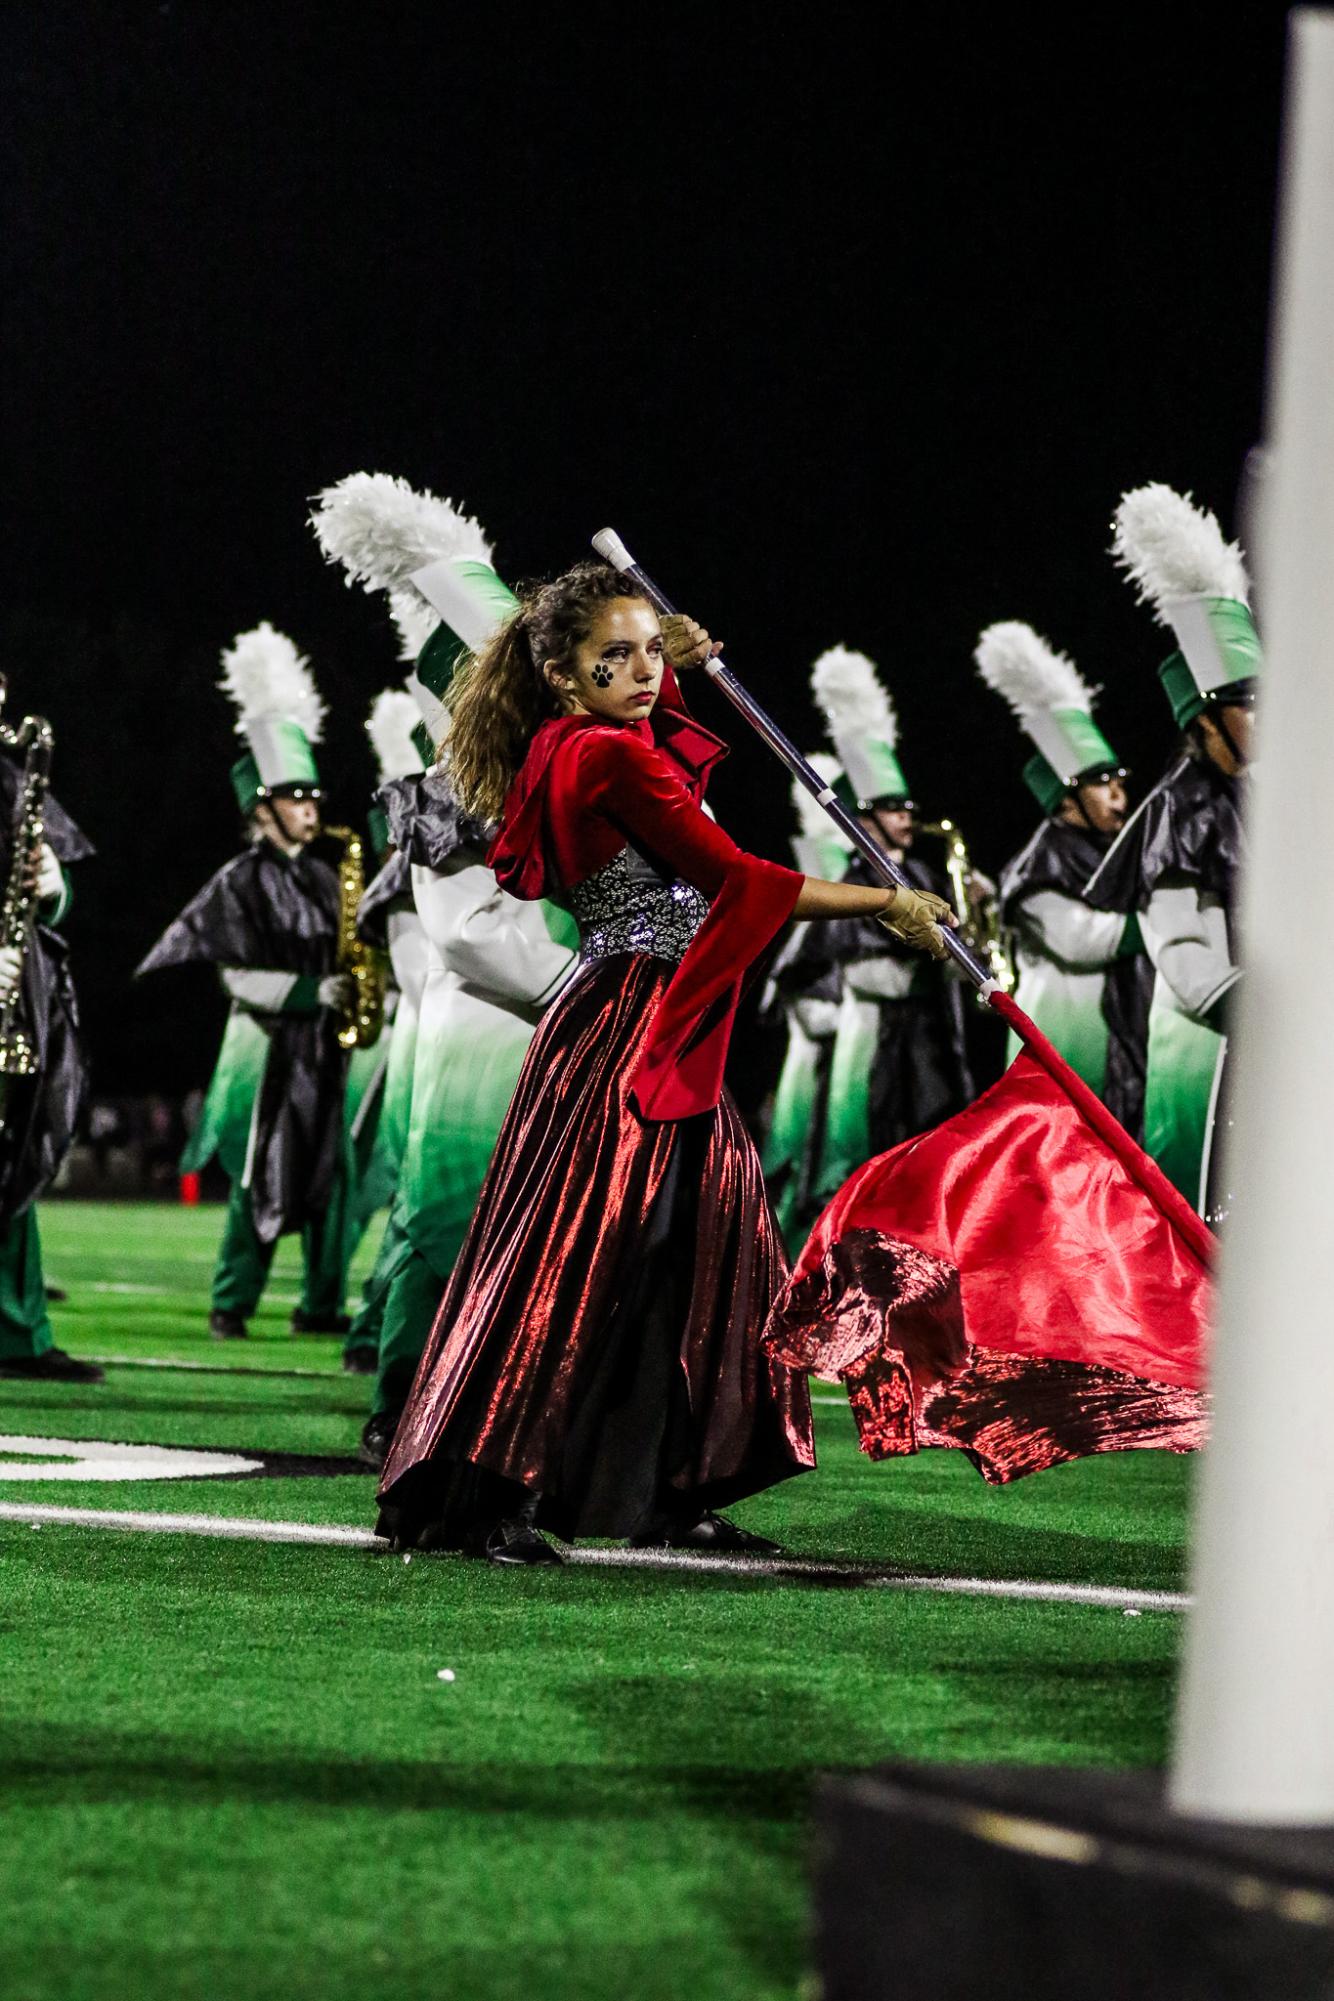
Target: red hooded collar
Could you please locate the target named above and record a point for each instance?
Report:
(519, 853)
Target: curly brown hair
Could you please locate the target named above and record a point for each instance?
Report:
(499, 698)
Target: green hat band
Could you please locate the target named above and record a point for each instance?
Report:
(1070, 742)
(871, 771)
(1217, 640)
(1185, 697)
(1045, 783)
(472, 601)
(247, 784)
(282, 752)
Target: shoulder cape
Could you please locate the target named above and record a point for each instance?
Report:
(68, 842)
(261, 911)
(426, 822)
(1059, 857)
(1189, 826)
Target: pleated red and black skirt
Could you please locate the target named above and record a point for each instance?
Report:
(597, 1358)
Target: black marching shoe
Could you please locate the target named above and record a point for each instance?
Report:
(711, 1533)
(319, 1323)
(55, 1366)
(226, 1326)
(56, 1295)
(517, 1542)
(360, 1361)
(376, 1438)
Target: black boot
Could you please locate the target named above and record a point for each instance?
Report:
(319, 1323)
(514, 1541)
(226, 1326)
(55, 1366)
(377, 1437)
(712, 1533)
(360, 1361)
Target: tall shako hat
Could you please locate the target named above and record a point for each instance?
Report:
(427, 554)
(1195, 581)
(863, 729)
(1054, 704)
(818, 847)
(279, 713)
(392, 728)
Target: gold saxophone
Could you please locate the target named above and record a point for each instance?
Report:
(34, 737)
(978, 914)
(362, 963)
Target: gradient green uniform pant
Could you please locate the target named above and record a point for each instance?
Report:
(243, 1261)
(399, 1304)
(25, 1326)
(364, 1332)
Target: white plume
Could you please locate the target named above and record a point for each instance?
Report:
(381, 529)
(266, 676)
(812, 819)
(1019, 664)
(853, 701)
(393, 717)
(415, 619)
(1169, 548)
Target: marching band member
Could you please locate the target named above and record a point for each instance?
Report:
(493, 963)
(268, 921)
(809, 996)
(1082, 973)
(1177, 862)
(899, 1062)
(39, 1111)
(388, 921)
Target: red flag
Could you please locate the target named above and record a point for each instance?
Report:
(1023, 1283)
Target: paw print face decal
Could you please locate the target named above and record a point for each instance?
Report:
(602, 677)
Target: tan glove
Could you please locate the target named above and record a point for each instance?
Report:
(915, 916)
(685, 642)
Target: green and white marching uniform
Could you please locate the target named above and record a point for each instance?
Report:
(1082, 975)
(268, 922)
(1177, 861)
(810, 1003)
(899, 1065)
(492, 962)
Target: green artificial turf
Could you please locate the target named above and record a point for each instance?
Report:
(230, 1768)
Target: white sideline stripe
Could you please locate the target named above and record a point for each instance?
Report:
(232, 1528)
(212, 1368)
(238, 1529)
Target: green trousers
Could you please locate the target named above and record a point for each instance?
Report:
(411, 1300)
(243, 1261)
(369, 1316)
(25, 1325)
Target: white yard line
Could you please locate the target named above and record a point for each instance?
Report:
(239, 1529)
(212, 1368)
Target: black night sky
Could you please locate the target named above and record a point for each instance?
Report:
(854, 320)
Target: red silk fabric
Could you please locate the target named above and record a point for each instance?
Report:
(1022, 1282)
(575, 1179)
(588, 787)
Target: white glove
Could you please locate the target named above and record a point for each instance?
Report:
(11, 965)
(50, 880)
(338, 991)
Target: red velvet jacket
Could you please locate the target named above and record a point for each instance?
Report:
(588, 787)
